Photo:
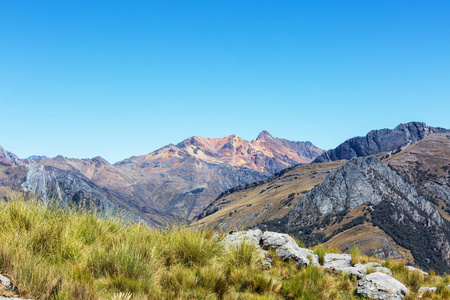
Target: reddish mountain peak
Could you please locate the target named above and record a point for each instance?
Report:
(264, 135)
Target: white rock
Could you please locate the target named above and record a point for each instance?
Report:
(336, 261)
(235, 238)
(286, 248)
(410, 268)
(381, 286)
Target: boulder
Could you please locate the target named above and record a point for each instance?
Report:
(381, 286)
(287, 249)
(235, 238)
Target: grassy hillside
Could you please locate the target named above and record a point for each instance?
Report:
(50, 253)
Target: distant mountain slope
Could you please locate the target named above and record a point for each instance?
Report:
(120, 187)
(385, 200)
(172, 183)
(182, 179)
(377, 141)
(258, 202)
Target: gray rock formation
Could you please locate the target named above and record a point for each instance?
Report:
(383, 140)
(236, 238)
(66, 188)
(285, 246)
(381, 286)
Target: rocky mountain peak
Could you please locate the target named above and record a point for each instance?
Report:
(37, 157)
(8, 158)
(100, 160)
(264, 135)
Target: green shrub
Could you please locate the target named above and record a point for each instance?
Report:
(320, 251)
(355, 254)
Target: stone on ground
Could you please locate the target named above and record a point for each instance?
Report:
(381, 286)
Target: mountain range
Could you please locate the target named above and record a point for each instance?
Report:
(387, 192)
(172, 183)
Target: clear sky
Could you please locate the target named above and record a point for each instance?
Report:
(123, 78)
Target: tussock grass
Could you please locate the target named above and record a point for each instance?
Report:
(320, 251)
(54, 253)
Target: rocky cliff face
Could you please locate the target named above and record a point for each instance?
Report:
(389, 202)
(377, 141)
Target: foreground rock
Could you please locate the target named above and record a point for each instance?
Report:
(342, 263)
(426, 289)
(381, 286)
(287, 249)
(8, 286)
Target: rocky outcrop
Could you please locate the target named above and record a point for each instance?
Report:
(9, 159)
(394, 206)
(236, 238)
(381, 286)
(377, 141)
(51, 183)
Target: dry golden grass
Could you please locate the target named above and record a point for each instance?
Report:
(51, 253)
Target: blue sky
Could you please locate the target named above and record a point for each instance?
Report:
(123, 78)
